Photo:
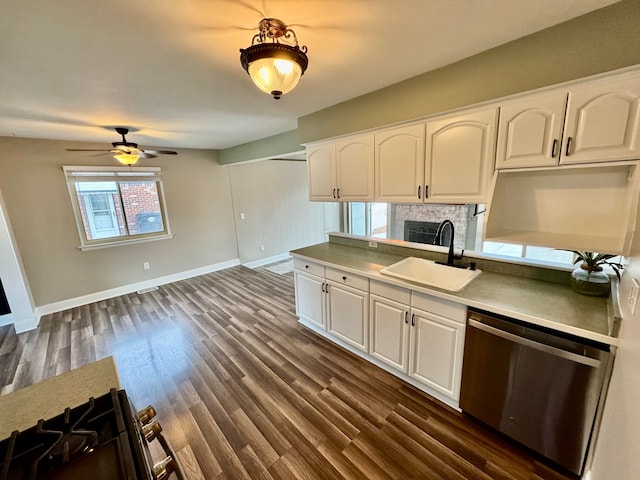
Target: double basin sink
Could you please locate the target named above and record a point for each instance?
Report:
(430, 273)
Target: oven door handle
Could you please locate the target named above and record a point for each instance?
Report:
(574, 357)
(169, 465)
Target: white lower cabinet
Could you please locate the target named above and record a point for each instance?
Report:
(389, 324)
(437, 343)
(348, 307)
(436, 349)
(419, 336)
(347, 314)
(310, 292)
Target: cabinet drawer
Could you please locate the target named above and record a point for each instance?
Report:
(444, 308)
(355, 281)
(309, 267)
(391, 292)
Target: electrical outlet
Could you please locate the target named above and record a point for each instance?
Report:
(242, 216)
(146, 266)
(261, 248)
(373, 244)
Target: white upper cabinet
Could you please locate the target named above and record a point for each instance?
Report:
(341, 170)
(459, 157)
(603, 121)
(530, 131)
(321, 172)
(399, 164)
(354, 168)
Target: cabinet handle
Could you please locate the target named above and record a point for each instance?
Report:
(322, 287)
(326, 287)
(426, 192)
(344, 278)
(338, 193)
(406, 317)
(419, 186)
(306, 266)
(568, 146)
(554, 147)
(413, 319)
(334, 193)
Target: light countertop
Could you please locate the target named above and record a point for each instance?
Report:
(538, 302)
(22, 409)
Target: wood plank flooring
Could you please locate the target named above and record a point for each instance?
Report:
(244, 392)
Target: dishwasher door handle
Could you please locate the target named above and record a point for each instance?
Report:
(558, 352)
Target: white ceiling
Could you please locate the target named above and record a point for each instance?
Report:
(170, 69)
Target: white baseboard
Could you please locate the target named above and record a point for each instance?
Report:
(133, 287)
(21, 325)
(6, 319)
(266, 261)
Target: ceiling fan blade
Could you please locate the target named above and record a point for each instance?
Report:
(87, 150)
(160, 152)
(146, 154)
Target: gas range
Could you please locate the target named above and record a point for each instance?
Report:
(101, 439)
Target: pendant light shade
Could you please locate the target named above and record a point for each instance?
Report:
(274, 67)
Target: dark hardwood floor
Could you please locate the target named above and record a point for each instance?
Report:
(244, 392)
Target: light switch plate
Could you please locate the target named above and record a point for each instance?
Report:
(633, 295)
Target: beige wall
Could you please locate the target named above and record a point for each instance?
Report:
(616, 455)
(199, 206)
(273, 197)
(598, 42)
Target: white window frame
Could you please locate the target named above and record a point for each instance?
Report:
(77, 174)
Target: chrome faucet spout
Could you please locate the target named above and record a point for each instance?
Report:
(438, 239)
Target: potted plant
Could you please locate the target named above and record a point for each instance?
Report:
(588, 278)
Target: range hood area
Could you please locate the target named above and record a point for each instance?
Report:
(590, 208)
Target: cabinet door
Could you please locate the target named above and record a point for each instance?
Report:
(348, 314)
(354, 168)
(399, 164)
(460, 153)
(603, 121)
(388, 327)
(435, 357)
(530, 131)
(321, 172)
(310, 298)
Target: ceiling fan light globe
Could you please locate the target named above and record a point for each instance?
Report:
(127, 159)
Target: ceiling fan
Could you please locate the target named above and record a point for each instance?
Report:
(126, 152)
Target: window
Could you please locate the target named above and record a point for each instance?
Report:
(418, 223)
(115, 205)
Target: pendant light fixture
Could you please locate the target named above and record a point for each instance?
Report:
(273, 66)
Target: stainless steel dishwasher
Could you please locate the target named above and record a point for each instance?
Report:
(538, 387)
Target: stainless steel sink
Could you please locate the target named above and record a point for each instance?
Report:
(428, 272)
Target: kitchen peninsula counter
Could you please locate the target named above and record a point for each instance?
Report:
(547, 304)
(22, 409)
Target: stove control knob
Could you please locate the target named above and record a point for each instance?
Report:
(146, 414)
(151, 430)
(164, 468)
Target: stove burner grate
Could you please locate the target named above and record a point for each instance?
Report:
(94, 433)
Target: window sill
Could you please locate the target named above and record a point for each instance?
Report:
(96, 246)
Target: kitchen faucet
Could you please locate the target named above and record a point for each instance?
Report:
(438, 239)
